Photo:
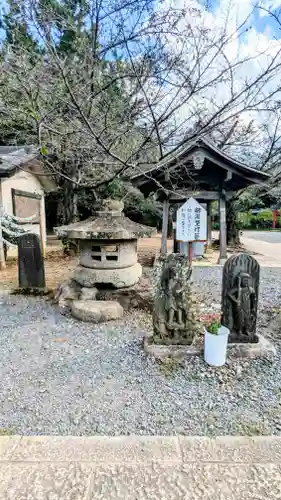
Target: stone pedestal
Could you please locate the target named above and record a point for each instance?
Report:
(117, 278)
(161, 352)
(261, 349)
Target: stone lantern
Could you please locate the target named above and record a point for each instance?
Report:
(107, 247)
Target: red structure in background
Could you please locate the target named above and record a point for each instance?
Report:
(276, 213)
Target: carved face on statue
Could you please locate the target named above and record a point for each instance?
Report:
(245, 280)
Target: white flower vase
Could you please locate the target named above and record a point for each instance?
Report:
(215, 347)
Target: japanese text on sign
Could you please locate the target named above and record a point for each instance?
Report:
(191, 222)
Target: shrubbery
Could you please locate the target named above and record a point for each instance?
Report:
(138, 208)
(143, 210)
(262, 220)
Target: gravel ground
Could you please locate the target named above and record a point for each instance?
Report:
(60, 376)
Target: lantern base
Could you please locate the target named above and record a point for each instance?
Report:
(117, 278)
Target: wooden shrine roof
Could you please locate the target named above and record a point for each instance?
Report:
(199, 165)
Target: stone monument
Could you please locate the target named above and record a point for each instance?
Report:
(174, 317)
(108, 261)
(240, 293)
(174, 320)
(30, 262)
(107, 247)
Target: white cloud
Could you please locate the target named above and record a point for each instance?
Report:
(250, 49)
(269, 5)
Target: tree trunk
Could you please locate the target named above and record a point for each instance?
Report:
(232, 224)
(75, 213)
(68, 210)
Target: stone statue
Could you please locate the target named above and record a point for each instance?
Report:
(174, 319)
(174, 301)
(240, 297)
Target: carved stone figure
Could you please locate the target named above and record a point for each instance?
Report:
(174, 318)
(240, 297)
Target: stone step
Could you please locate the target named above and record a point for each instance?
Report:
(140, 467)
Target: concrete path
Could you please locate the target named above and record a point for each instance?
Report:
(140, 468)
(267, 236)
(269, 254)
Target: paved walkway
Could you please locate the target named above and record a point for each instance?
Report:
(269, 253)
(140, 468)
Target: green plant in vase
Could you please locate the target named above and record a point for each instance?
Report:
(212, 322)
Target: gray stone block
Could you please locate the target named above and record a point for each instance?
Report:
(162, 352)
(96, 311)
(197, 481)
(261, 349)
(96, 449)
(44, 481)
(232, 449)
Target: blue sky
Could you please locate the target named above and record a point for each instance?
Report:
(260, 21)
(263, 22)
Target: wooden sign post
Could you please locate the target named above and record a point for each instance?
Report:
(191, 225)
(2, 252)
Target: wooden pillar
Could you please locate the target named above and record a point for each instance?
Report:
(2, 253)
(223, 247)
(176, 246)
(165, 219)
(176, 243)
(209, 223)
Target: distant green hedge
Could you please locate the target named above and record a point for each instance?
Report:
(263, 220)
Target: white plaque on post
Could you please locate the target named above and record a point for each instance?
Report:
(191, 222)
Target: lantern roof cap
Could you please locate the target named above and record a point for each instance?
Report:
(109, 223)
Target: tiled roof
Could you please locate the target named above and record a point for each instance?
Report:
(12, 157)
